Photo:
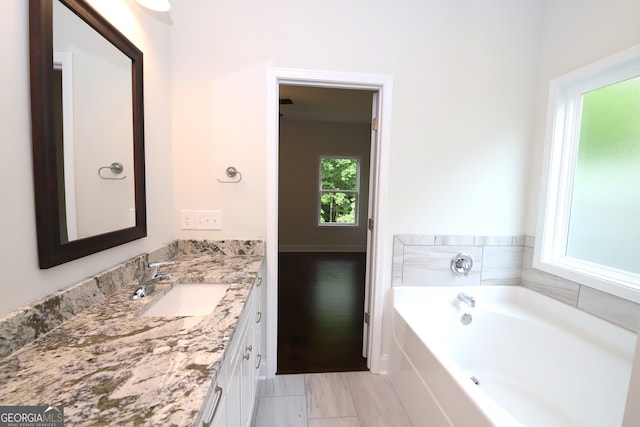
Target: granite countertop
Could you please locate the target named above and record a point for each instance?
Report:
(109, 366)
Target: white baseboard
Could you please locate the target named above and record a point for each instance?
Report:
(382, 367)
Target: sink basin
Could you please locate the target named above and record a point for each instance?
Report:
(188, 299)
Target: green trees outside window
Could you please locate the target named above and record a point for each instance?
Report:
(339, 187)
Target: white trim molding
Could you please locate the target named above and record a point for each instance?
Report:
(559, 164)
(383, 84)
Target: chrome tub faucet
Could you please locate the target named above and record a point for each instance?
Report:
(461, 264)
(149, 278)
(467, 299)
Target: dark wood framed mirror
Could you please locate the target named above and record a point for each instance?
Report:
(56, 243)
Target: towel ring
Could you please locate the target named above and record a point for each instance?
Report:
(116, 168)
(232, 173)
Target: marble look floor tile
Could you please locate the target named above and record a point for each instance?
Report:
(335, 422)
(283, 385)
(328, 396)
(375, 400)
(281, 411)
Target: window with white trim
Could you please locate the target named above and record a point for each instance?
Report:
(339, 191)
(588, 229)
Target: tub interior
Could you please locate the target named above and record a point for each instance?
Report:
(539, 360)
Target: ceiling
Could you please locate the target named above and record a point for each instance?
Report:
(326, 104)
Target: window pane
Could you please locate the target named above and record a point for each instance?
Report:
(338, 208)
(605, 204)
(339, 174)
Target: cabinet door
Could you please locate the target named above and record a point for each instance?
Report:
(243, 360)
(255, 365)
(252, 354)
(234, 373)
(256, 344)
(258, 340)
(234, 408)
(220, 414)
(260, 291)
(215, 409)
(260, 345)
(248, 373)
(261, 327)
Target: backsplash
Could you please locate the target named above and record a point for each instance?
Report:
(617, 310)
(224, 247)
(25, 324)
(424, 260)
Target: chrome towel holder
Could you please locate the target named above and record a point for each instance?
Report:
(116, 168)
(232, 173)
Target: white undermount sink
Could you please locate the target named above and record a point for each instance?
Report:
(188, 299)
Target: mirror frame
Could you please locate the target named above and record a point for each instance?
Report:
(51, 251)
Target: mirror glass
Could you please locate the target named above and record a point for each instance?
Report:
(93, 92)
(87, 128)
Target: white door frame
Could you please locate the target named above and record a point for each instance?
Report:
(63, 61)
(384, 85)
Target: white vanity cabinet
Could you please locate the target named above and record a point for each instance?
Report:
(253, 351)
(244, 379)
(238, 377)
(214, 413)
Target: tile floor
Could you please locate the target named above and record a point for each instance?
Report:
(340, 399)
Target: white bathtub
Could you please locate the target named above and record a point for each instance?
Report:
(536, 361)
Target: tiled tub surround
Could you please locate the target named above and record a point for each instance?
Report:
(109, 366)
(424, 260)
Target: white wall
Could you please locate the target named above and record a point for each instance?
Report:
(301, 145)
(22, 281)
(463, 96)
(574, 33)
(463, 91)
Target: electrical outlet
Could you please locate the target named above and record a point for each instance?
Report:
(208, 220)
(187, 220)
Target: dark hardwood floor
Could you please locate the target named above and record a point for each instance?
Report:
(320, 312)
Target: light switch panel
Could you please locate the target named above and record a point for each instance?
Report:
(208, 220)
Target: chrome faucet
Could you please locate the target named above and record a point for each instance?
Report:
(467, 299)
(149, 278)
(461, 264)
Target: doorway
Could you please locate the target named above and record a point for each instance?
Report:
(324, 169)
(377, 243)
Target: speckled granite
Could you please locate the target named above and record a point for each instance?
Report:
(27, 323)
(227, 247)
(109, 366)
